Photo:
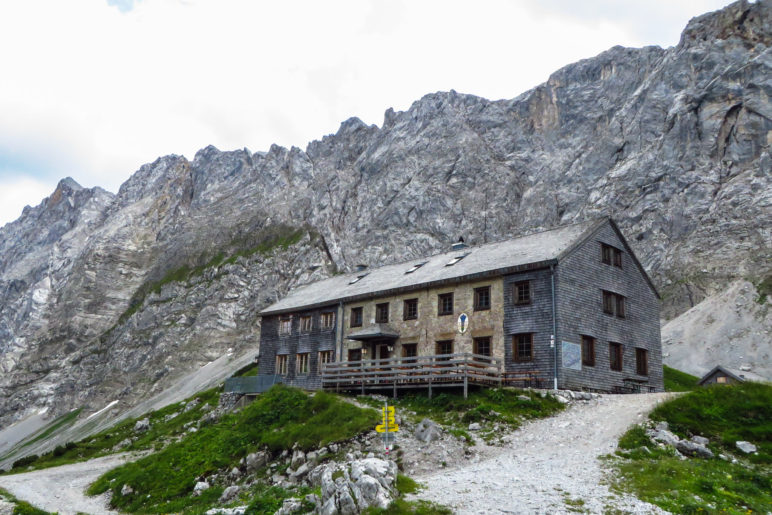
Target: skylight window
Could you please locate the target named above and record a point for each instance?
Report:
(357, 278)
(415, 267)
(456, 259)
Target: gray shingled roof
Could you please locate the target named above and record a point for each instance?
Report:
(484, 259)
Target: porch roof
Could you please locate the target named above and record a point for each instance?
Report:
(373, 332)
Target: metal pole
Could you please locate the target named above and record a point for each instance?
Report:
(466, 383)
(554, 328)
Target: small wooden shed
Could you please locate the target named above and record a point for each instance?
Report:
(723, 375)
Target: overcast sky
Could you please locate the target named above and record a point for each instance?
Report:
(93, 89)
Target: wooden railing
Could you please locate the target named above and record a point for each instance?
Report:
(419, 371)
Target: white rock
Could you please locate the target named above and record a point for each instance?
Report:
(745, 447)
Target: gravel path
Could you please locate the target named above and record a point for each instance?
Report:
(61, 489)
(548, 465)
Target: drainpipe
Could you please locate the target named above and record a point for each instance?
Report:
(340, 338)
(554, 328)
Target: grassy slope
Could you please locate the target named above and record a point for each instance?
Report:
(103, 443)
(724, 414)
(278, 419)
(677, 381)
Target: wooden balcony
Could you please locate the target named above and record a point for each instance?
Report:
(437, 371)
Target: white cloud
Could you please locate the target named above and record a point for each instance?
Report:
(94, 92)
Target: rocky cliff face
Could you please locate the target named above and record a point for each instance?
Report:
(106, 296)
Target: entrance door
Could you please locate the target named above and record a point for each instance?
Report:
(382, 351)
(354, 355)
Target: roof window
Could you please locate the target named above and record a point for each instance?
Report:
(357, 278)
(456, 259)
(415, 267)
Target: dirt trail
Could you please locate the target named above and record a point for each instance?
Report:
(549, 465)
(61, 489)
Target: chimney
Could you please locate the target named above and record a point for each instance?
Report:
(459, 244)
(360, 267)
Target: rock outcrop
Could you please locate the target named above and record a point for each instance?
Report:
(107, 297)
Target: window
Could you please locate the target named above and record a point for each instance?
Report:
(588, 351)
(615, 355)
(358, 278)
(410, 309)
(305, 324)
(444, 347)
(325, 357)
(355, 354)
(620, 306)
(613, 304)
(301, 363)
(610, 255)
(285, 326)
(522, 293)
(415, 267)
(641, 362)
(327, 320)
(721, 379)
(522, 347)
(456, 259)
(281, 364)
(482, 346)
(356, 317)
(445, 304)
(382, 313)
(409, 350)
(482, 298)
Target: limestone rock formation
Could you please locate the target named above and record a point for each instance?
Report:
(107, 297)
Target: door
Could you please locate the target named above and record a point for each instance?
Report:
(382, 351)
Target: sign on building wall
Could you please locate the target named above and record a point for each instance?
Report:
(463, 323)
(572, 356)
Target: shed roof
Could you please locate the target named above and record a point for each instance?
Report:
(737, 375)
(531, 251)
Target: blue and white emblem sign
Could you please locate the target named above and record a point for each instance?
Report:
(463, 323)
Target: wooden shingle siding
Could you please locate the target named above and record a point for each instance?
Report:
(535, 318)
(580, 279)
(273, 343)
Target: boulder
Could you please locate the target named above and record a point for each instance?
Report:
(689, 448)
(700, 440)
(192, 404)
(142, 425)
(662, 426)
(664, 436)
(300, 473)
(428, 431)
(229, 494)
(475, 426)
(199, 488)
(238, 510)
(257, 460)
(360, 485)
(745, 447)
(290, 506)
(127, 490)
(298, 458)
(235, 473)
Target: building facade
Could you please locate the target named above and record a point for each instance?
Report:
(572, 306)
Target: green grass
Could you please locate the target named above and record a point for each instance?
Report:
(403, 507)
(22, 507)
(103, 443)
(487, 406)
(724, 414)
(406, 485)
(677, 381)
(277, 420)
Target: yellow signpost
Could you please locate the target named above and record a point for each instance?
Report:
(388, 427)
(389, 424)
